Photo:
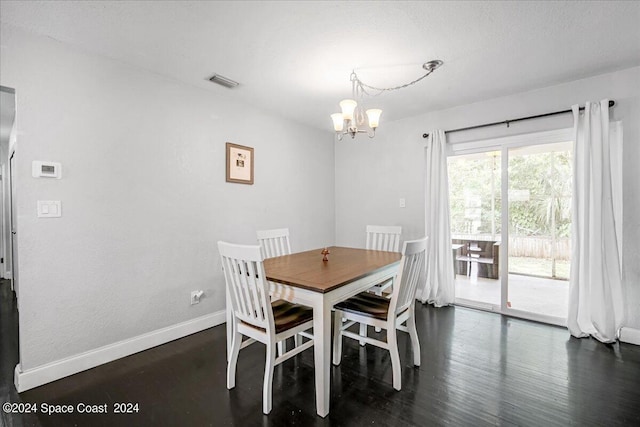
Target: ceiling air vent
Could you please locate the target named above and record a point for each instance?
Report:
(223, 81)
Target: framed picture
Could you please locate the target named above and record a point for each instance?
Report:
(239, 164)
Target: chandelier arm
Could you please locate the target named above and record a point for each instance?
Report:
(384, 89)
(357, 93)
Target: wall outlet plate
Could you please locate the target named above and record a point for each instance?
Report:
(195, 297)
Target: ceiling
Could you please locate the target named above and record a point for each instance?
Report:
(294, 58)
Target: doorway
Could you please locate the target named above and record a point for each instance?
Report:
(510, 224)
(7, 147)
(9, 316)
(8, 246)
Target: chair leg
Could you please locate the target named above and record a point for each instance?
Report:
(297, 340)
(413, 333)
(378, 329)
(395, 356)
(363, 333)
(337, 337)
(268, 378)
(282, 347)
(232, 363)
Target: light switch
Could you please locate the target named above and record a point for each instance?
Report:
(403, 204)
(49, 209)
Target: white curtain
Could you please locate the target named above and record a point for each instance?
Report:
(595, 287)
(439, 286)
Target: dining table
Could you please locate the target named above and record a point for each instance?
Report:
(305, 278)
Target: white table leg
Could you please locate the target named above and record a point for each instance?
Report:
(322, 354)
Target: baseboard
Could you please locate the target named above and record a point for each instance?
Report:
(630, 335)
(25, 380)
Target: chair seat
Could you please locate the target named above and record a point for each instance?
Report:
(366, 304)
(287, 315)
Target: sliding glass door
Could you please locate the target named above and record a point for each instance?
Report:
(475, 199)
(539, 229)
(510, 224)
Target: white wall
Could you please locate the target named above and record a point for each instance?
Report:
(144, 197)
(372, 175)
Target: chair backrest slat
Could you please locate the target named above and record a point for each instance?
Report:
(384, 237)
(246, 284)
(411, 266)
(233, 287)
(251, 293)
(274, 243)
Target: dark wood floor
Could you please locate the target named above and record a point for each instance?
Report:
(8, 350)
(477, 369)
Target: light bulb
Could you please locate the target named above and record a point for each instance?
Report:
(338, 121)
(374, 117)
(348, 105)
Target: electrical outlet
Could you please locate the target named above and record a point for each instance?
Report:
(403, 203)
(195, 297)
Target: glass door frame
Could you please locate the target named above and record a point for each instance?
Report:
(504, 144)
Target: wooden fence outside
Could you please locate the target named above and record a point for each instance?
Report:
(539, 247)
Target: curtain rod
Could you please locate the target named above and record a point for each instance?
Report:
(508, 122)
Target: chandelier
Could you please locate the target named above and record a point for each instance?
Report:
(352, 118)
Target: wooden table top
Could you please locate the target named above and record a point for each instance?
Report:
(307, 270)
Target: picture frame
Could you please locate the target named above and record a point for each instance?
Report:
(240, 163)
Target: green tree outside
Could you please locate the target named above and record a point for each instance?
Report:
(540, 187)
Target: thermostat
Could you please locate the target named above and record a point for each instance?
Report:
(41, 169)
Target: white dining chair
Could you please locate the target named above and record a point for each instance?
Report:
(389, 314)
(383, 238)
(256, 316)
(274, 243)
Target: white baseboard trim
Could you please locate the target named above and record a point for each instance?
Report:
(25, 380)
(630, 335)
